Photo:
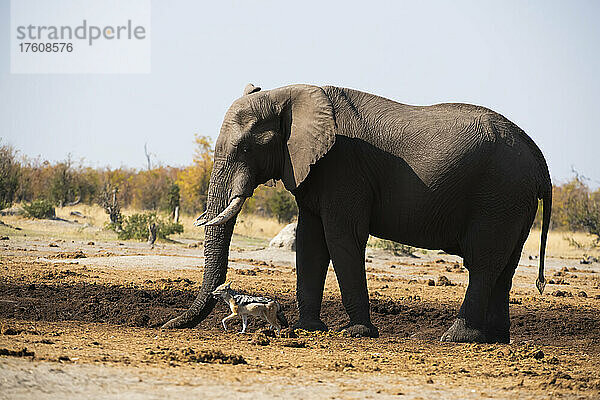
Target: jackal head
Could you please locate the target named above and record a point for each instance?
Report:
(222, 290)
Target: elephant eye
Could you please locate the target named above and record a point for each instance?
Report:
(245, 149)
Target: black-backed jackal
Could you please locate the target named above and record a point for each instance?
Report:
(244, 305)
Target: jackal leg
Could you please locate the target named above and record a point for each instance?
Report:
(270, 315)
(244, 323)
(227, 318)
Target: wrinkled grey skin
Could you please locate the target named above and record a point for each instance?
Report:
(456, 177)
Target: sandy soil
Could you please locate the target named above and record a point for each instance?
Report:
(87, 315)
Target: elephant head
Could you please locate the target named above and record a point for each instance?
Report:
(266, 135)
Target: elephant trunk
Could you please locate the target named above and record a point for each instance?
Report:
(216, 251)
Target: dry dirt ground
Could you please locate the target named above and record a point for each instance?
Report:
(79, 319)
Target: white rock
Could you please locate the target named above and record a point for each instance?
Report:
(286, 238)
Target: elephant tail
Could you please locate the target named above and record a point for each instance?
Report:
(546, 211)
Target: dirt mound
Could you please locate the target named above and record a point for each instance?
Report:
(93, 303)
(408, 317)
(189, 355)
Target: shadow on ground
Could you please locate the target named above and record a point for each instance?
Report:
(541, 321)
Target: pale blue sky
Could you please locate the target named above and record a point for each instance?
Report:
(536, 62)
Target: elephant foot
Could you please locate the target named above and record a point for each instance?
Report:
(313, 325)
(361, 330)
(498, 335)
(459, 332)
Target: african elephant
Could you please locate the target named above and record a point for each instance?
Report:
(456, 177)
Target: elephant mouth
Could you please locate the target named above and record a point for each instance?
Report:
(229, 212)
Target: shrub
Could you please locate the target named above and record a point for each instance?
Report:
(136, 227)
(583, 213)
(9, 176)
(282, 205)
(194, 179)
(39, 209)
(61, 185)
(151, 188)
(398, 249)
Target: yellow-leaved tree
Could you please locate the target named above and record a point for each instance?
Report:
(194, 179)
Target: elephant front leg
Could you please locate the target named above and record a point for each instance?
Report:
(347, 248)
(312, 260)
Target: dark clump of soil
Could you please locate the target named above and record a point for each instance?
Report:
(456, 267)
(70, 255)
(185, 281)
(559, 281)
(288, 333)
(260, 339)
(562, 293)
(523, 353)
(267, 332)
(444, 281)
(295, 343)
(17, 353)
(249, 272)
(10, 331)
(189, 355)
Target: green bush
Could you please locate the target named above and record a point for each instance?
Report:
(396, 248)
(39, 209)
(282, 205)
(136, 227)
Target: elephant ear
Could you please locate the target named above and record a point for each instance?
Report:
(308, 124)
(250, 88)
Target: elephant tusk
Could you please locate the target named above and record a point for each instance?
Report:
(229, 212)
(200, 221)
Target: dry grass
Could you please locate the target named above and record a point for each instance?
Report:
(94, 214)
(558, 244)
(87, 228)
(258, 227)
(91, 225)
(249, 225)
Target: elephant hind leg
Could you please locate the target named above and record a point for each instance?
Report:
(487, 248)
(498, 318)
(470, 322)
